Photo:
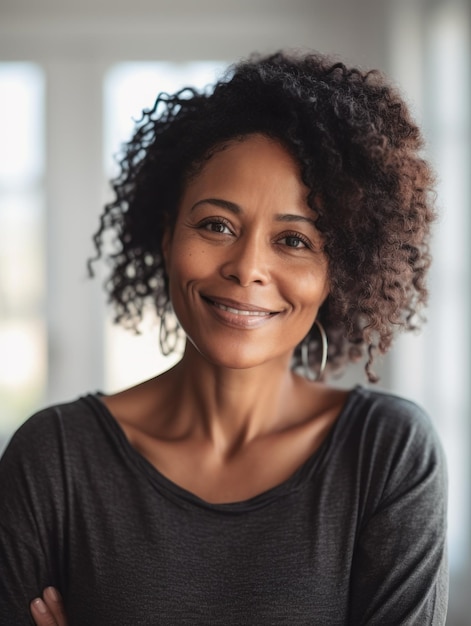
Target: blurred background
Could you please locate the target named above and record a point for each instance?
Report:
(74, 76)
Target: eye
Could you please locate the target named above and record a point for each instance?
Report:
(295, 241)
(216, 225)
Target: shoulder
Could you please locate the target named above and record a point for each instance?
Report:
(396, 441)
(384, 414)
(38, 466)
(47, 430)
(54, 449)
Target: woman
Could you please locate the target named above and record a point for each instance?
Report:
(287, 206)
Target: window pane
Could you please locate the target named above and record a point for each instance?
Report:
(21, 113)
(450, 299)
(132, 87)
(22, 271)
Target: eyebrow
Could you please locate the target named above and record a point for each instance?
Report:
(235, 208)
(288, 217)
(224, 204)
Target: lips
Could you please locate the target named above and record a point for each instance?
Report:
(238, 308)
(239, 314)
(240, 311)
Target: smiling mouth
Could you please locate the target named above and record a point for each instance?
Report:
(240, 311)
(235, 310)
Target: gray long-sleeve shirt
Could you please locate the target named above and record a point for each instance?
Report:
(356, 536)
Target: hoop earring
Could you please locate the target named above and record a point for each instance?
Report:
(309, 374)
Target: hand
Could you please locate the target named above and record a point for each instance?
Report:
(48, 610)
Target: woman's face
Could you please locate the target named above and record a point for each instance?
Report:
(246, 266)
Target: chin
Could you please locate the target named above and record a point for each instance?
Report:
(239, 357)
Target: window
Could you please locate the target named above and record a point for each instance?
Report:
(22, 263)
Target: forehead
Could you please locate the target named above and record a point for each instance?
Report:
(252, 166)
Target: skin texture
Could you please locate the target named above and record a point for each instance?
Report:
(254, 228)
(232, 407)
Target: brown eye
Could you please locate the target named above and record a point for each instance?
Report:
(216, 226)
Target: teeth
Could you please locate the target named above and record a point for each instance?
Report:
(239, 312)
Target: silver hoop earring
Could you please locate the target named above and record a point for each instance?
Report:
(309, 374)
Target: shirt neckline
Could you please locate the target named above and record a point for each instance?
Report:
(294, 483)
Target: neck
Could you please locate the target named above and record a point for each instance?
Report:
(229, 407)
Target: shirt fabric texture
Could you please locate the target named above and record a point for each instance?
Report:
(356, 536)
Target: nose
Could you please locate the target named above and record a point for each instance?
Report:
(247, 261)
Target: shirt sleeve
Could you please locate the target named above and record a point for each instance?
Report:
(29, 520)
(400, 571)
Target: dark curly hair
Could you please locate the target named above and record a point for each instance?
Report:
(359, 154)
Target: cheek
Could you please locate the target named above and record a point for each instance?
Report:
(308, 288)
(187, 262)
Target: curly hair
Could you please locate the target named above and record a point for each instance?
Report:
(359, 155)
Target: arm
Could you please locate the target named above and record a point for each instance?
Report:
(30, 479)
(399, 571)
